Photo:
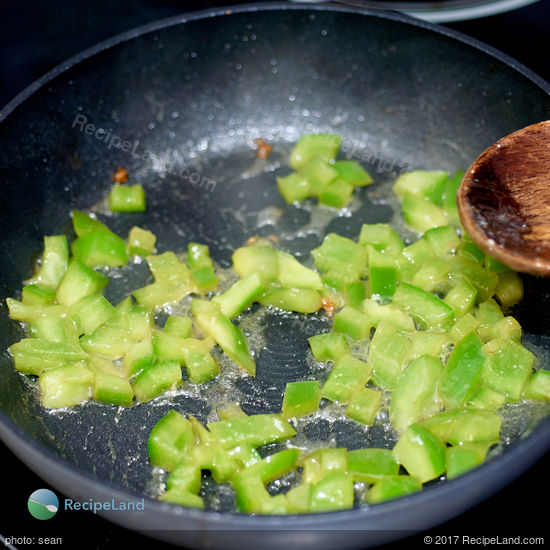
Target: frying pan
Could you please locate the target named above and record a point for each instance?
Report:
(179, 105)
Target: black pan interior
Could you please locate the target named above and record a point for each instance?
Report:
(180, 107)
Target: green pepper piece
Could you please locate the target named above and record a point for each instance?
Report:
(388, 354)
(112, 389)
(449, 196)
(421, 214)
(382, 271)
(170, 440)
(421, 453)
(183, 498)
(256, 430)
(429, 310)
(509, 290)
(462, 298)
(83, 223)
(298, 499)
(376, 313)
(156, 379)
(341, 253)
(141, 242)
(363, 405)
(321, 462)
(54, 328)
(319, 174)
(352, 172)
(79, 281)
(355, 293)
(426, 184)
(538, 386)
(65, 386)
(309, 146)
(100, 249)
(91, 312)
(462, 374)
(185, 477)
(301, 398)
(382, 237)
(138, 356)
(262, 260)
(390, 487)
(329, 346)
(427, 343)
(294, 187)
(333, 492)
(36, 294)
(36, 356)
(179, 326)
(443, 240)
(465, 427)
(127, 198)
(507, 367)
(336, 194)
(293, 274)
(466, 324)
(347, 375)
(240, 295)
(353, 323)
(300, 300)
(486, 398)
(483, 280)
(228, 336)
(414, 396)
(460, 460)
(371, 465)
(55, 261)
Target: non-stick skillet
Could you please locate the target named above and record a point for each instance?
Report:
(194, 93)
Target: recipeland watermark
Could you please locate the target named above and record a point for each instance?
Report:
(44, 504)
(112, 505)
(136, 150)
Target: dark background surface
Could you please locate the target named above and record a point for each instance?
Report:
(37, 36)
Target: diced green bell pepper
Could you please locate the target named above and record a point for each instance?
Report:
(387, 354)
(421, 453)
(256, 430)
(36, 356)
(371, 465)
(329, 346)
(156, 379)
(141, 242)
(100, 249)
(427, 309)
(507, 367)
(390, 487)
(127, 198)
(462, 374)
(363, 405)
(65, 386)
(538, 386)
(415, 396)
(301, 398)
(170, 440)
(79, 281)
(347, 375)
(309, 146)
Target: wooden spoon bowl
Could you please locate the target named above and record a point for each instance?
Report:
(504, 200)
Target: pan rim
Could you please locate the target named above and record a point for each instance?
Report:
(267, 6)
(468, 482)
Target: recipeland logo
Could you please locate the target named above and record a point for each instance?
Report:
(44, 504)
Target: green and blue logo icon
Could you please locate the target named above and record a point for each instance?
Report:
(43, 504)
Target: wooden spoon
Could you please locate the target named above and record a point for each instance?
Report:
(504, 200)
